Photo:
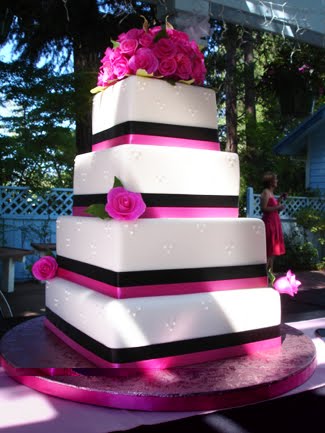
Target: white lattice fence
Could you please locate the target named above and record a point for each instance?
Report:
(27, 217)
(21, 202)
(292, 205)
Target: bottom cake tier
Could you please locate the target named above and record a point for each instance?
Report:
(162, 331)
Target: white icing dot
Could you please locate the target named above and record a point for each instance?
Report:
(106, 175)
(201, 227)
(168, 248)
(229, 248)
(78, 224)
(83, 177)
(82, 316)
(67, 242)
(136, 155)
(257, 229)
(231, 160)
(192, 111)
(170, 325)
(56, 302)
(108, 229)
(93, 249)
(161, 179)
(58, 225)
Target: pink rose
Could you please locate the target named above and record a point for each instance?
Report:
(128, 46)
(106, 73)
(121, 67)
(144, 59)
(198, 71)
(131, 34)
(184, 67)
(167, 67)
(45, 268)
(155, 30)
(177, 36)
(146, 40)
(287, 284)
(124, 205)
(164, 48)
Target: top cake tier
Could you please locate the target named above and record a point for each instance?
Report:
(138, 110)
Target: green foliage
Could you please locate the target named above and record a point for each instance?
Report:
(37, 143)
(312, 220)
(300, 255)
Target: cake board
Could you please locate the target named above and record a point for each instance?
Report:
(35, 357)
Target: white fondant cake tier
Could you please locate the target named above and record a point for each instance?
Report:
(151, 100)
(151, 244)
(159, 170)
(137, 322)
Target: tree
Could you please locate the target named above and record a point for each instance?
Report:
(230, 41)
(37, 144)
(70, 31)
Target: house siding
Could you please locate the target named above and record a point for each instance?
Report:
(316, 161)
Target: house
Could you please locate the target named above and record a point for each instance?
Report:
(308, 141)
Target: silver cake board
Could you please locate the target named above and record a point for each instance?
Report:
(34, 357)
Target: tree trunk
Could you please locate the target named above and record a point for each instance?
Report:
(231, 37)
(250, 93)
(85, 69)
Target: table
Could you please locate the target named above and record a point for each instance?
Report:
(9, 256)
(43, 248)
(26, 411)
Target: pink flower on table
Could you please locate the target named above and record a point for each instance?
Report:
(287, 284)
(124, 205)
(45, 268)
(167, 67)
(144, 59)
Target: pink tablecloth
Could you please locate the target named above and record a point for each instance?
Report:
(23, 410)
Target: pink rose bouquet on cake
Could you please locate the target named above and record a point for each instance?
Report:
(159, 52)
(45, 268)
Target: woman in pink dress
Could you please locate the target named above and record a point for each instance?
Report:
(270, 207)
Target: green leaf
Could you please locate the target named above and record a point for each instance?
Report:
(115, 43)
(117, 182)
(97, 210)
(271, 277)
(161, 34)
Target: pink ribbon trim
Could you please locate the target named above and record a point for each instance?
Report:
(154, 140)
(175, 212)
(169, 361)
(162, 289)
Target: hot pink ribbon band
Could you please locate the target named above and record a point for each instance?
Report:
(162, 289)
(169, 361)
(175, 212)
(154, 140)
(192, 402)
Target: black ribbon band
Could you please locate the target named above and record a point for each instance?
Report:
(161, 276)
(164, 349)
(166, 200)
(159, 129)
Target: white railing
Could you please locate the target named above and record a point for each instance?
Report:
(27, 217)
(292, 205)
